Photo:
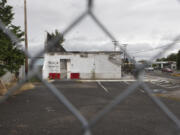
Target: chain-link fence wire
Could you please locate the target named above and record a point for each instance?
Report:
(87, 125)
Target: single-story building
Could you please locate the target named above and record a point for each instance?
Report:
(165, 64)
(82, 65)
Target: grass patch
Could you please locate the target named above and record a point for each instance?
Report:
(27, 86)
(168, 97)
(176, 74)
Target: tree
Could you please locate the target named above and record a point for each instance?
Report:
(58, 44)
(161, 59)
(11, 57)
(178, 60)
(172, 57)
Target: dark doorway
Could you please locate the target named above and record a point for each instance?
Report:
(64, 68)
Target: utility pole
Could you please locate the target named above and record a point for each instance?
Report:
(26, 37)
(124, 60)
(115, 44)
(125, 46)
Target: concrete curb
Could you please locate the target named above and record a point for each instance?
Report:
(146, 80)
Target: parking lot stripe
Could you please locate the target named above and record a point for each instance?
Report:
(142, 90)
(126, 82)
(166, 84)
(172, 87)
(105, 89)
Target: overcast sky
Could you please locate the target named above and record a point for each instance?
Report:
(143, 25)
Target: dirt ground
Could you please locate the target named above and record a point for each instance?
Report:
(5, 87)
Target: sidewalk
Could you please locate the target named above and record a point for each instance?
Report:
(128, 78)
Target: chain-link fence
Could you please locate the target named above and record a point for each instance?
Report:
(87, 125)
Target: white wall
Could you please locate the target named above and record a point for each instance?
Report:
(8, 77)
(95, 66)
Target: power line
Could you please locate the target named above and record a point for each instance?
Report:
(150, 49)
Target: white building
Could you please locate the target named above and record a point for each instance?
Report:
(82, 65)
(165, 64)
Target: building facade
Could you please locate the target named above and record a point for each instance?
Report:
(165, 64)
(82, 65)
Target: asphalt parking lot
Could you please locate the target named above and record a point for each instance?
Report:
(38, 112)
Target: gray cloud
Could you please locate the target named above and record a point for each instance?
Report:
(141, 24)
